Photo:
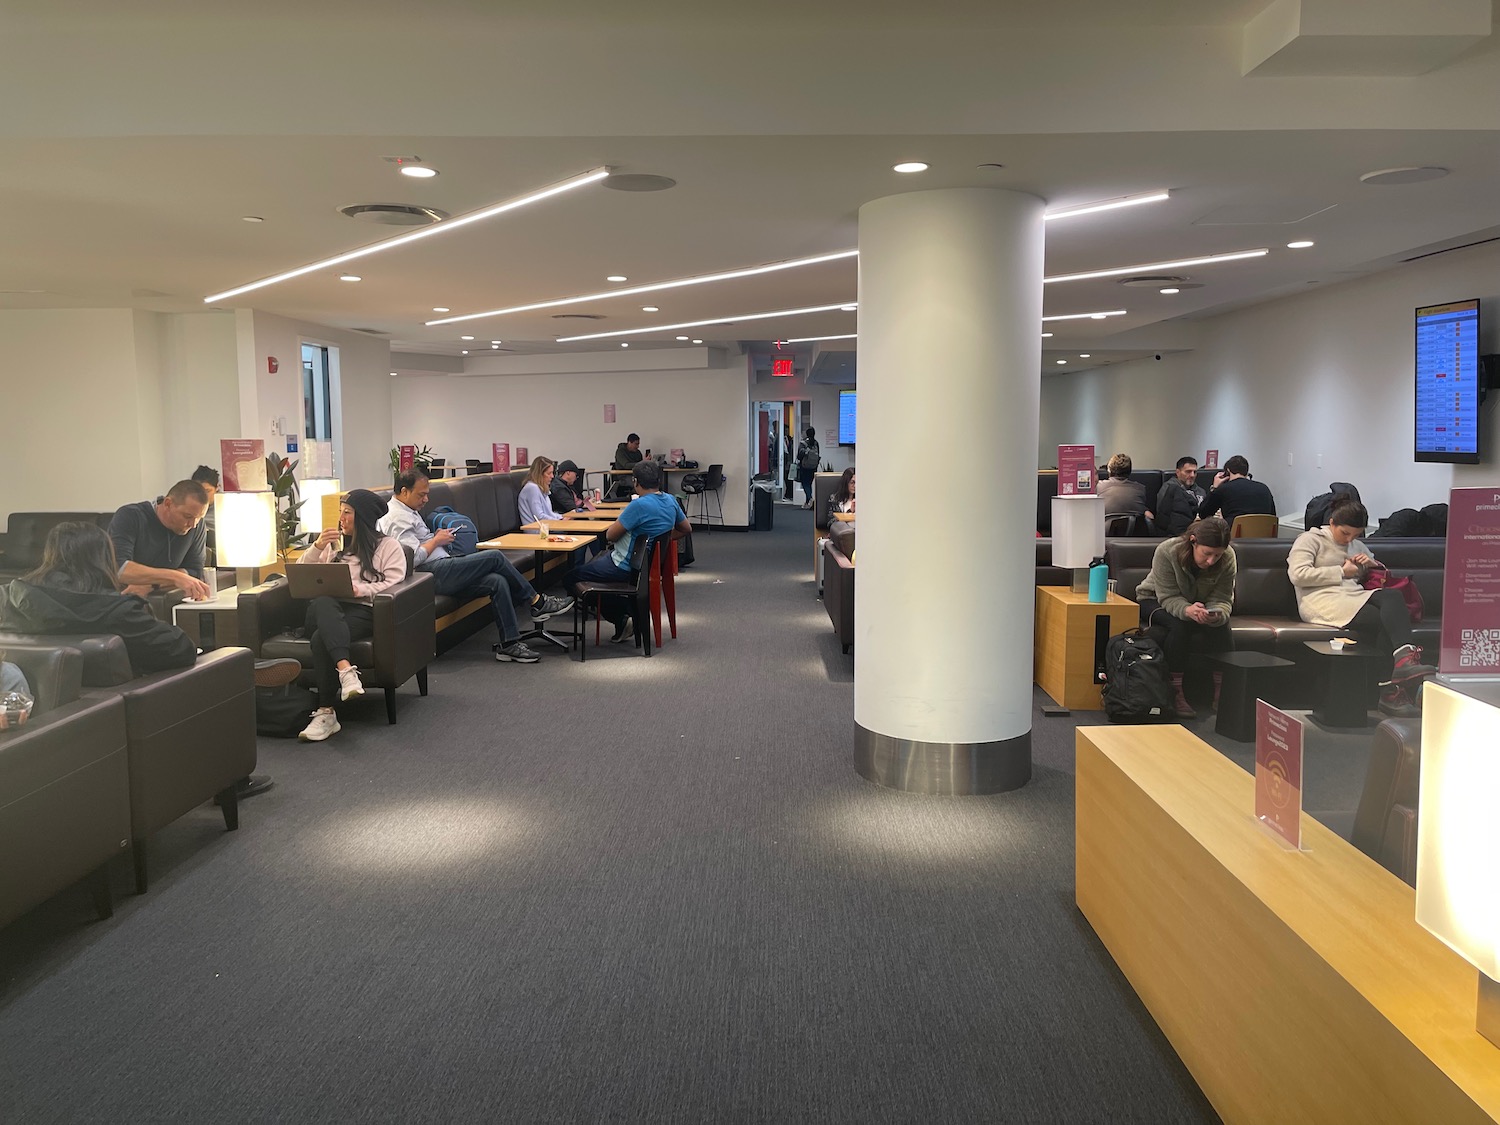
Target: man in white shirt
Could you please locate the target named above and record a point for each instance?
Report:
(484, 574)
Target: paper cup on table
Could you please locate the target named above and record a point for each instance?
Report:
(544, 531)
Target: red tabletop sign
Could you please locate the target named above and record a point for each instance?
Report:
(1212, 460)
(1278, 772)
(242, 465)
(1075, 470)
(500, 454)
(522, 460)
(407, 457)
(1471, 584)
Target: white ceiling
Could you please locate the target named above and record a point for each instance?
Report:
(138, 135)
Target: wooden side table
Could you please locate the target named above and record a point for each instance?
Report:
(1066, 631)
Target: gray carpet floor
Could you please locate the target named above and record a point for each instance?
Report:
(630, 890)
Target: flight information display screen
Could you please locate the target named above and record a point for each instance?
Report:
(1448, 386)
(846, 417)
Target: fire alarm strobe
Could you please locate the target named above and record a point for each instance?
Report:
(273, 364)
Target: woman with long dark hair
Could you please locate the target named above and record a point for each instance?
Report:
(843, 492)
(1187, 598)
(376, 562)
(77, 590)
(1325, 565)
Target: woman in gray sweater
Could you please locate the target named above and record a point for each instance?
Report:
(1326, 565)
(1187, 598)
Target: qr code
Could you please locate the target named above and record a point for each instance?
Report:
(1479, 648)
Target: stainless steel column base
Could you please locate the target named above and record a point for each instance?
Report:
(956, 769)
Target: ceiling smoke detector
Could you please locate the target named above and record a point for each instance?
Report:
(393, 214)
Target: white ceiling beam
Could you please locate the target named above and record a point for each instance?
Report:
(1361, 38)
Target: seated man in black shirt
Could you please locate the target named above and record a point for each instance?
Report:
(567, 489)
(1235, 494)
(161, 543)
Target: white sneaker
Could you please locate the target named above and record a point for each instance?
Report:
(324, 724)
(349, 685)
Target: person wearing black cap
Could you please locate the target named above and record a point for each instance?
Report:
(567, 489)
(376, 562)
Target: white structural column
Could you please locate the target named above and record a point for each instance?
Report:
(950, 308)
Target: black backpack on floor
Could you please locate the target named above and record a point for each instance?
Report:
(282, 712)
(1137, 685)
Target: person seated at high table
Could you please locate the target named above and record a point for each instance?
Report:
(534, 503)
(1235, 494)
(1326, 565)
(1123, 496)
(567, 493)
(651, 513)
(484, 574)
(1187, 598)
(376, 563)
(161, 543)
(843, 492)
(628, 453)
(1178, 499)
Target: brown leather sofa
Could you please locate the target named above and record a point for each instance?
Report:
(26, 535)
(838, 582)
(190, 733)
(64, 786)
(1385, 824)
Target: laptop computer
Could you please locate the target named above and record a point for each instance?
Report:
(316, 580)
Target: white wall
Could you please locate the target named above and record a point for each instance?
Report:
(362, 424)
(1325, 374)
(703, 411)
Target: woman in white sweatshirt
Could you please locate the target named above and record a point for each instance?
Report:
(376, 562)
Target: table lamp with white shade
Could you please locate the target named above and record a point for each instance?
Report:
(1458, 836)
(245, 533)
(1077, 535)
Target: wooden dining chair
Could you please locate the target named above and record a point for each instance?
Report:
(1254, 527)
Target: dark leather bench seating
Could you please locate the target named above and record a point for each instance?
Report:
(1265, 602)
(26, 535)
(838, 582)
(64, 786)
(1151, 479)
(190, 733)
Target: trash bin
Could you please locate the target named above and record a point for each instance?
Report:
(765, 508)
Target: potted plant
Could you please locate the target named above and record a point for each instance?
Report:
(421, 459)
(280, 475)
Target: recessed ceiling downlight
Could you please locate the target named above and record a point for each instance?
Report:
(1300, 244)
(418, 171)
(909, 166)
(394, 214)
(1391, 177)
(638, 181)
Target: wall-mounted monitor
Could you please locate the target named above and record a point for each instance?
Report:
(1449, 383)
(846, 417)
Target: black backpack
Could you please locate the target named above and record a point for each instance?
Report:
(282, 712)
(1137, 685)
(1320, 506)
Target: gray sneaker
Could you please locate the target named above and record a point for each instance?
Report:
(517, 652)
(546, 606)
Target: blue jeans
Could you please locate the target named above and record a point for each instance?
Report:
(484, 574)
(602, 568)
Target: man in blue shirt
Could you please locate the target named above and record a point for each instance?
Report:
(651, 513)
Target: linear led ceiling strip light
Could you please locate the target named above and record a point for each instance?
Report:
(1180, 263)
(442, 227)
(1084, 316)
(1106, 205)
(815, 339)
(701, 323)
(656, 287)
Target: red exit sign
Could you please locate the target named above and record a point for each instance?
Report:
(781, 367)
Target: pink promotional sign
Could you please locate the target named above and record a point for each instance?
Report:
(609, 412)
(407, 457)
(522, 459)
(1471, 584)
(1212, 460)
(500, 454)
(242, 465)
(1075, 470)
(1278, 772)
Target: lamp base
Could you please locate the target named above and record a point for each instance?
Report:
(245, 578)
(1487, 1012)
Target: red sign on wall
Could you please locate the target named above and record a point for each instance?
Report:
(781, 366)
(1471, 584)
(407, 457)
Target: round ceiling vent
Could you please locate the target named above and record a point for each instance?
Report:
(577, 316)
(1152, 281)
(394, 214)
(638, 181)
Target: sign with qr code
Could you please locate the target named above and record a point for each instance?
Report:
(1471, 584)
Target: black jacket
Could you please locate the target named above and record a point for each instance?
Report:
(153, 646)
(1176, 506)
(562, 497)
(625, 457)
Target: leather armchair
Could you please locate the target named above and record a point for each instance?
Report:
(64, 786)
(403, 644)
(26, 535)
(838, 583)
(1385, 824)
(190, 732)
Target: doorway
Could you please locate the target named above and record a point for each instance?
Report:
(775, 430)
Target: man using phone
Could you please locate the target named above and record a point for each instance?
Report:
(484, 574)
(1236, 494)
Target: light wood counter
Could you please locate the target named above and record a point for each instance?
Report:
(1063, 660)
(1297, 987)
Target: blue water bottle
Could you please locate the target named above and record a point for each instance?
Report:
(1098, 580)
